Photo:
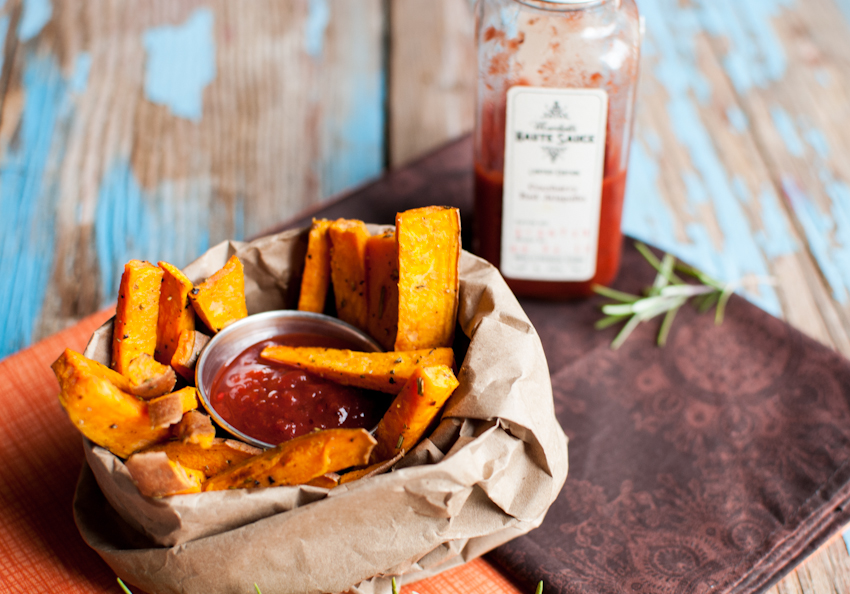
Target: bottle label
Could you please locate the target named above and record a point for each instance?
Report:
(554, 161)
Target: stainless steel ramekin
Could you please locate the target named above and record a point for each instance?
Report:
(235, 338)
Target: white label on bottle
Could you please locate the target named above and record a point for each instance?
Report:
(554, 161)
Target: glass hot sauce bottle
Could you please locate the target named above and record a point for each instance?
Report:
(555, 105)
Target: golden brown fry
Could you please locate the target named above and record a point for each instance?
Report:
(136, 315)
(189, 347)
(109, 417)
(413, 411)
(348, 270)
(89, 366)
(221, 455)
(428, 281)
(384, 372)
(317, 269)
(157, 476)
(175, 312)
(298, 461)
(149, 378)
(326, 481)
(220, 300)
(369, 471)
(382, 288)
(195, 427)
(167, 410)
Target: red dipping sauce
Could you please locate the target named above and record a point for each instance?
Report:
(273, 403)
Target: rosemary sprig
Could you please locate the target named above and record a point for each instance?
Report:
(668, 293)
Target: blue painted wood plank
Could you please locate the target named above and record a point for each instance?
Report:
(28, 202)
(180, 64)
(670, 49)
(127, 206)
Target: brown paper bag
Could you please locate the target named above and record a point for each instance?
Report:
(487, 474)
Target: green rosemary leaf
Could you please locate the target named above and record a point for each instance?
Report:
(395, 587)
(686, 290)
(662, 279)
(539, 587)
(664, 332)
(721, 304)
(123, 587)
(655, 263)
(617, 309)
(257, 588)
(615, 294)
(708, 301)
(608, 321)
(625, 332)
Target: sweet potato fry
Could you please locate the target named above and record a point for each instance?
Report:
(382, 288)
(195, 427)
(83, 364)
(220, 300)
(348, 270)
(326, 481)
(371, 470)
(428, 280)
(221, 455)
(317, 269)
(189, 347)
(298, 461)
(136, 316)
(158, 476)
(384, 372)
(109, 417)
(176, 314)
(413, 411)
(167, 410)
(149, 378)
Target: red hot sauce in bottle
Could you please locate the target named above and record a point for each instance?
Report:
(556, 91)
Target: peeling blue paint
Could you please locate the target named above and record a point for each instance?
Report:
(134, 223)
(817, 228)
(180, 64)
(742, 193)
(28, 204)
(823, 77)
(4, 28)
(315, 27)
(673, 31)
(356, 128)
(817, 140)
(80, 77)
(785, 126)
(775, 238)
(738, 119)
(827, 233)
(36, 15)
(756, 56)
(695, 188)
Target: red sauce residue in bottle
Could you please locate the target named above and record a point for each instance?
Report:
(274, 402)
(488, 209)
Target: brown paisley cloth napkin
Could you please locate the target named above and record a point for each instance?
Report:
(714, 464)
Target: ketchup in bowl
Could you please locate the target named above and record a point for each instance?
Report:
(273, 402)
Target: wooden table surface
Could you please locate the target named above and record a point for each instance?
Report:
(155, 129)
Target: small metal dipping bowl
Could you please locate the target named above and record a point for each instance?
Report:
(235, 338)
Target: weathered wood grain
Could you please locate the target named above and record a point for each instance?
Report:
(699, 184)
(156, 129)
(432, 78)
